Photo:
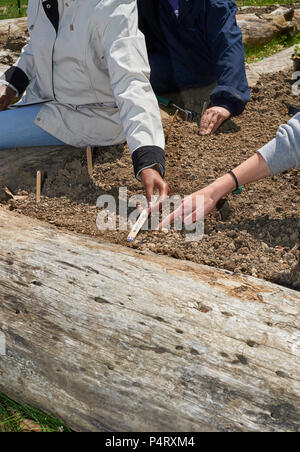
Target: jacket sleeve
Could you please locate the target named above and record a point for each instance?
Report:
(225, 40)
(20, 74)
(129, 71)
(283, 153)
(141, 17)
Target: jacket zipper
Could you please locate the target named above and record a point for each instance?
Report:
(53, 68)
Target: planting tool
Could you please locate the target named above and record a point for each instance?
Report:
(190, 116)
(171, 126)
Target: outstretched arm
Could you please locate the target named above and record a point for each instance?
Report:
(252, 170)
(281, 154)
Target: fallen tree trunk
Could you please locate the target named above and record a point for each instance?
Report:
(109, 339)
(18, 167)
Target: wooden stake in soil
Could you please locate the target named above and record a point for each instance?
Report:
(89, 156)
(38, 186)
(171, 126)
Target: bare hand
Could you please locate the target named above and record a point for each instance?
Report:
(191, 208)
(212, 119)
(152, 181)
(7, 95)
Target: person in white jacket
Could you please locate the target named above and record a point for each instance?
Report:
(85, 75)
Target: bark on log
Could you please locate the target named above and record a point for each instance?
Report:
(109, 339)
(18, 166)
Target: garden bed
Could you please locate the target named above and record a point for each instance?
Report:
(258, 234)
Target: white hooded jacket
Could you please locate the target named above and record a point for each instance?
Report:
(87, 62)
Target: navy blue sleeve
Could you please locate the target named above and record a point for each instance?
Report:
(225, 40)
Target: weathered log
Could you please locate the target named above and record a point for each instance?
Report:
(18, 166)
(109, 339)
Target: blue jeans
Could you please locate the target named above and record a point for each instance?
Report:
(17, 129)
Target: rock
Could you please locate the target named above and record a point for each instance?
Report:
(287, 13)
(297, 17)
(259, 30)
(279, 62)
(6, 57)
(121, 164)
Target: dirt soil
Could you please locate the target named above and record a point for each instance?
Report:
(256, 234)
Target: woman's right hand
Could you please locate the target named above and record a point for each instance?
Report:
(7, 95)
(194, 207)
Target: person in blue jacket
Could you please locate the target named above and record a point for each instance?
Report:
(194, 44)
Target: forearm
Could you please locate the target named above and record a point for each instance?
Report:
(252, 170)
(280, 154)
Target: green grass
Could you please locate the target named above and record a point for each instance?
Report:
(15, 417)
(254, 54)
(11, 9)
